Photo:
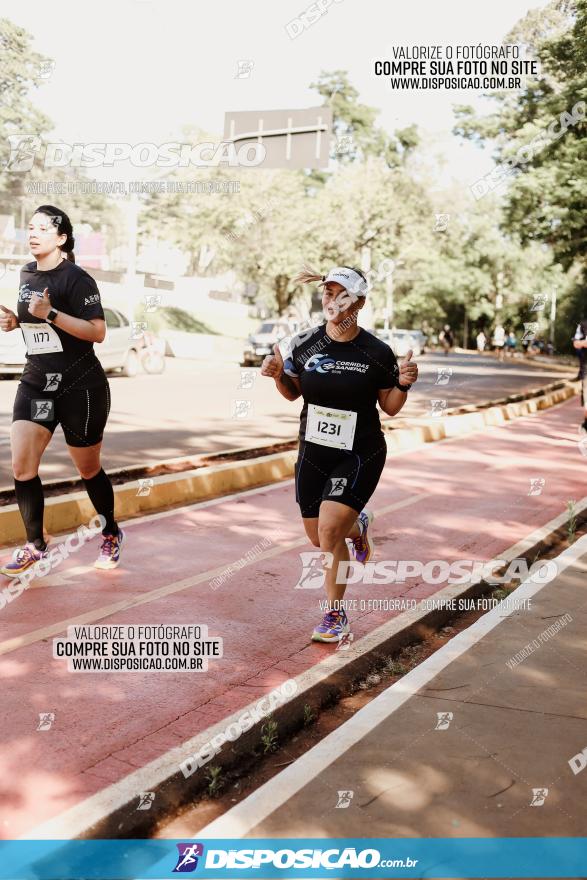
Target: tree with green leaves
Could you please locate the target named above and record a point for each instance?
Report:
(541, 135)
(354, 123)
(20, 73)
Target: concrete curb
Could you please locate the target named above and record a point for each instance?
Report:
(525, 360)
(112, 813)
(465, 420)
(66, 512)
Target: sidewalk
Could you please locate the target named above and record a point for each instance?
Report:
(460, 499)
(477, 741)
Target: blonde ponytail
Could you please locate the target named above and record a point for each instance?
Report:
(307, 275)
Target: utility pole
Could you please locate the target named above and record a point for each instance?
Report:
(23, 243)
(388, 312)
(552, 316)
(132, 224)
(367, 311)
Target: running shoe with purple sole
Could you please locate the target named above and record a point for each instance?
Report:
(22, 559)
(334, 626)
(110, 551)
(362, 547)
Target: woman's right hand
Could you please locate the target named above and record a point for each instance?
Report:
(8, 320)
(273, 364)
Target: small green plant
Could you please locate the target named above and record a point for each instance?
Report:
(215, 780)
(500, 594)
(395, 666)
(269, 736)
(572, 520)
(309, 715)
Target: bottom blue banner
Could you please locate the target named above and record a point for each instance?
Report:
(511, 857)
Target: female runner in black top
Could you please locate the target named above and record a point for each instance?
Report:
(342, 372)
(60, 316)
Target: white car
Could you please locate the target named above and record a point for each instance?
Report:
(400, 341)
(118, 351)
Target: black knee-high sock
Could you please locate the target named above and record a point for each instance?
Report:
(29, 497)
(101, 493)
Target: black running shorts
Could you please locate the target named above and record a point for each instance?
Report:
(81, 413)
(326, 474)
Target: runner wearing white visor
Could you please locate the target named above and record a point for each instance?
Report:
(342, 371)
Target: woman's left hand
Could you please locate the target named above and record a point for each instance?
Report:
(408, 371)
(40, 306)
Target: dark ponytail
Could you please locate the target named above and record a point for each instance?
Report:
(64, 227)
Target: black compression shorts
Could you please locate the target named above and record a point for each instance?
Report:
(325, 474)
(82, 413)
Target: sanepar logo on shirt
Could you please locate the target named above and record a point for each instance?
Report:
(24, 293)
(93, 298)
(323, 363)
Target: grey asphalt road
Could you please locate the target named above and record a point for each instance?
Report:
(511, 723)
(194, 408)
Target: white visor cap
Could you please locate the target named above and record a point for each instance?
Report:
(349, 279)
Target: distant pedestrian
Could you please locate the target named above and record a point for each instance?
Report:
(498, 341)
(481, 341)
(511, 342)
(446, 339)
(580, 346)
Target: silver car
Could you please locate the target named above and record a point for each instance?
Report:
(262, 341)
(401, 341)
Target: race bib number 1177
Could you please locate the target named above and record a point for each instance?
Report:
(40, 338)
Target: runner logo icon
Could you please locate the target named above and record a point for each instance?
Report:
(42, 410)
(444, 719)
(46, 719)
(338, 485)
(539, 795)
(187, 860)
(313, 564)
(53, 380)
(146, 799)
(344, 799)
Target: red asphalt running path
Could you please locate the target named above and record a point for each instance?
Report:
(465, 498)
